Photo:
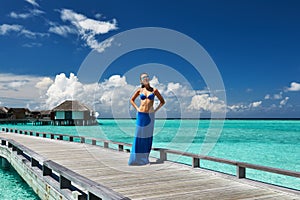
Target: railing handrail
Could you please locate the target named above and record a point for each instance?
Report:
(66, 176)
(236, 163)
(241, 166)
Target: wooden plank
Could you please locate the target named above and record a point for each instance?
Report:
(224, 193)
(93, 187)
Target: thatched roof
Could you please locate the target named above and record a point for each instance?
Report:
(45, 112)
(71, 106)
(18, 110)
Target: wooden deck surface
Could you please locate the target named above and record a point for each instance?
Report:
(166, 180)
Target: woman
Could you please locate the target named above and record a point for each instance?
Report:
(142, 143)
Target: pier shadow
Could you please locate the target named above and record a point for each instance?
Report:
(158, 161)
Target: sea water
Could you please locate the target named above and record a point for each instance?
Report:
(12, 187)
(272, 143)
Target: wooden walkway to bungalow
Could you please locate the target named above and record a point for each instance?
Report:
(108, 170)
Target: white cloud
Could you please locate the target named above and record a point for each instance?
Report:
(31, 13)
(154, 81)
(242, 107)
(205, 102)
(249, 90)
(85, 24)
(32, 35)
(7, 28)
(44, 83)
(32, 2)
(87, 28)
(32, 44)
(61, 89)
(237, 108)
(294, 87)
(268, 96)
(15, 85)
(283, 102)
(278, 96)
(116, 81)
(20, 15)
(62, 30)
(36, 12)
(173, 86)
(98, 16)
(255, 104)
(46, 92)
(274, 96)
(18, 90)
(114, 91)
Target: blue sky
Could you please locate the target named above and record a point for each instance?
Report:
(254, 44)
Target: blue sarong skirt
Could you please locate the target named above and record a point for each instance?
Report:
(143, 137)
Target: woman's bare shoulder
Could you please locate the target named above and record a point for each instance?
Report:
(139, 90)
(155, 90)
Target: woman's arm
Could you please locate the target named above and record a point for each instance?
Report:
(160, 98)
(134, 96)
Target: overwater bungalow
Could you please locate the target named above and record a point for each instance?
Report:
(47, 115)
(70, 113)
(35, 114)
(18, 113)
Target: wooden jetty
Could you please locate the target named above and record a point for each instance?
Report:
(87, 168)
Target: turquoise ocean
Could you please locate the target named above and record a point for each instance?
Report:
(273, 143)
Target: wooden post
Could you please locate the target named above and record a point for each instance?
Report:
(82, 139)
(16, 130)
(34, 162)
(19, 151)
(4, 163)
(46, 171)
(163, 155)
(51, 136)
(14, 148)
(44, 135)
(121, 147)
(64, 183)
(196, 162)
(30, 133)
(240, 172)
(78, 196)
(91, 196)
(105, 144)
(61, 137)
(93, 142)
(71, 138)
(37, 134)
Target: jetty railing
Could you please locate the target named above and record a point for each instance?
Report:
(163, 153)
(67, 179)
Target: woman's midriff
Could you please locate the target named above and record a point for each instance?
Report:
(146, 106)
